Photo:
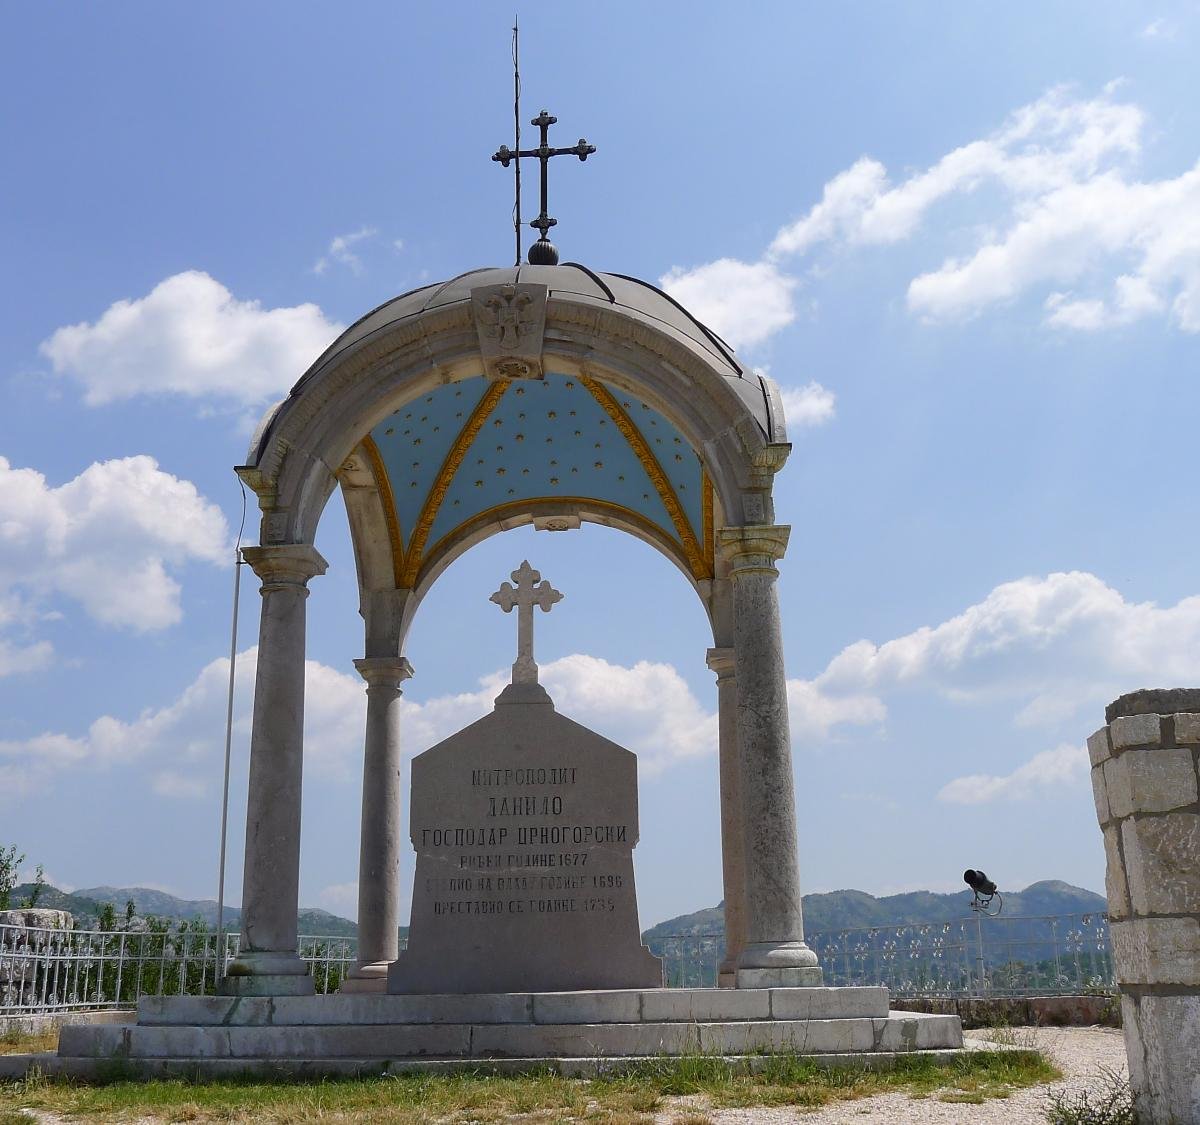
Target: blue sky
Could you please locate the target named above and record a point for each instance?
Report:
(965, 240)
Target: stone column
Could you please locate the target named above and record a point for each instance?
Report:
(733, 855)
(268, 964)
(1146, 780)
(775, 954)
(380, 838)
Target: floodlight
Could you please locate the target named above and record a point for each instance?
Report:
(984, 892)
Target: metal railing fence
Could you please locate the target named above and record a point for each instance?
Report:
(46, 969)
(1065, 954)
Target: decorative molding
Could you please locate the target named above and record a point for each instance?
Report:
(722, 661)
(511, 322)
(287, 565)
(754, 507)
(707, 495)
(643, 452)
(275, 526)
(754, 549)
(507, 510)
(558, 522)
(384, 671)
(388, 500)
(444, 478)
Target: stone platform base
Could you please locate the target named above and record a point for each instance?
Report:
(360, 1031)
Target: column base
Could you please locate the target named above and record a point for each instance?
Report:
(263, 973)
(266, 984)
(809, 976)
(371, 977)
(778, 964)
(727, 973)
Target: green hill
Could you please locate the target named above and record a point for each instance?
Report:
(847, 910)
(86, 904)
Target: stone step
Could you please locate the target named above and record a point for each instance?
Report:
(661, 1005)
(900, 1032)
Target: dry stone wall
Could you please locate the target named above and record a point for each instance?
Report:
(1146, 781)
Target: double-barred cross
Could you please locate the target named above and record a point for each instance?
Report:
(529, 591)
(505, 155)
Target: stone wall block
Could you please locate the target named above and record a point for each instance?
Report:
(1135, 730)
(1098, 748)
(1157, 951)
(1158, 781)
(1115, 886)
(1187, 729)
(1134, 1048)
(1169, 1033)
(1116, 786)
(1100, 793)
(1162, 863)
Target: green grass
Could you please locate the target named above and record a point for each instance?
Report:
(415, 1099)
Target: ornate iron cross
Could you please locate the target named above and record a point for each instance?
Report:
(529, 591)
(543, 252)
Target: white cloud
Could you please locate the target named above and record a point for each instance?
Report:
(1066, 215)
(1054, 650)
(743, 302)
(190, 336)
(341, 250)
(187, 736)
(810, 405)
(1160, 28)
(108, 540)
(168, 783)
(340, 899)
(1065, 765)
(647, 707)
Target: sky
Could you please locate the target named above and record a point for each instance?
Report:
(964, 239)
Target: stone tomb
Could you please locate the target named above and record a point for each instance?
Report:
(524, 825)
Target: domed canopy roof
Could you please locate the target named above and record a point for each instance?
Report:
(608, 403)
(629, 295)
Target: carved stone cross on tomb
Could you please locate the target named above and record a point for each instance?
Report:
(529, 591)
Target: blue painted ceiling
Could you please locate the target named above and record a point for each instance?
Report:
(474, 446)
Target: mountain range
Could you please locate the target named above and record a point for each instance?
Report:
(833, 910)
(846, 910)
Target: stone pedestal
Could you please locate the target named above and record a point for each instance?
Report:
(524, 824)
(1146, 780)
(575, 1034)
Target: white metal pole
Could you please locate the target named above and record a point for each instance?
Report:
(233, 632)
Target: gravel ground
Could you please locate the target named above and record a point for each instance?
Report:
(1079, 1052)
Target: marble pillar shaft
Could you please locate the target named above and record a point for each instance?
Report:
(380, 838)
(733, 864)
(774, 919)
(271, 881)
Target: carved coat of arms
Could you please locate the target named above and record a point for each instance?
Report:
(511, 322)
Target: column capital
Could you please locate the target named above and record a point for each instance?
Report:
(722, 661)
(756, 547)
(285, 564)
(384, 671)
